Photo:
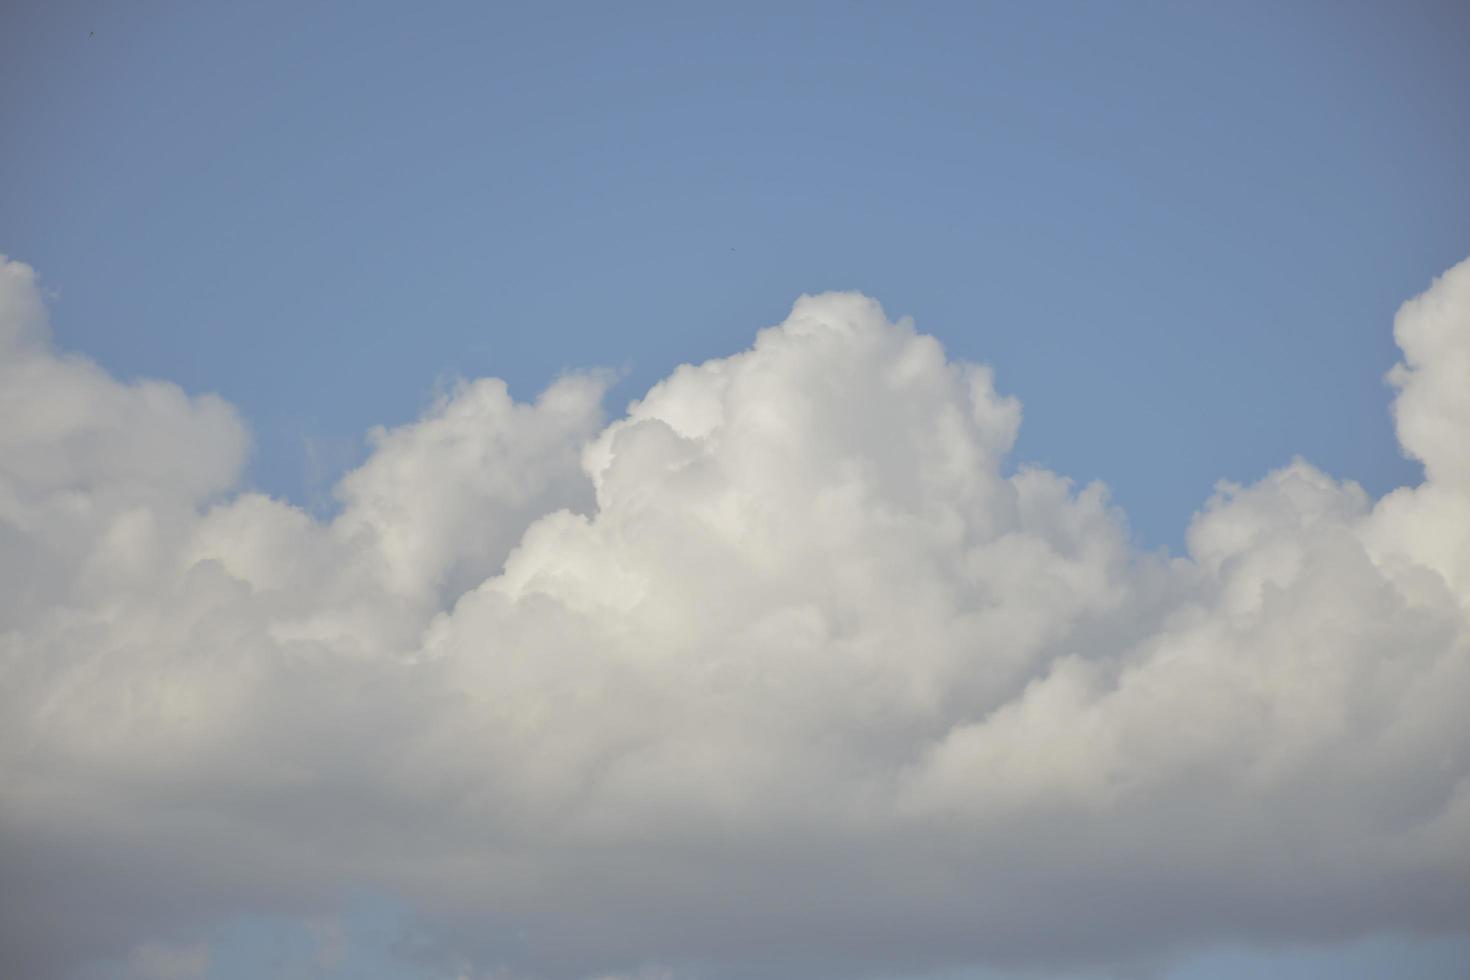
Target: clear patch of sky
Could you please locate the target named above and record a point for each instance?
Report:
(1179, 231)
(372, 937)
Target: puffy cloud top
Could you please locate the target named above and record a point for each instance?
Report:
(788, 668)
(1433, 407)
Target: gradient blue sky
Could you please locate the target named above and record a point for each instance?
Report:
(1177, 231)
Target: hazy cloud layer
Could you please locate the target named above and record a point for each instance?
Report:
(786, 669)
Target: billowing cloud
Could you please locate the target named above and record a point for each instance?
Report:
(786, 669)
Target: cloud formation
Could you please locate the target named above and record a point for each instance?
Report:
(786, 669)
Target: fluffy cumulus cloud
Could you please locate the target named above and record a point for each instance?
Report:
(787, 671)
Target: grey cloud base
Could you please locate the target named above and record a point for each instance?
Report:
(784, 670)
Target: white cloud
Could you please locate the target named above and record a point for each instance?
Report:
(786, 668)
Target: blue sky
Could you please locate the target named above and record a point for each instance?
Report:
(1193, 220)
(1178, 232)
